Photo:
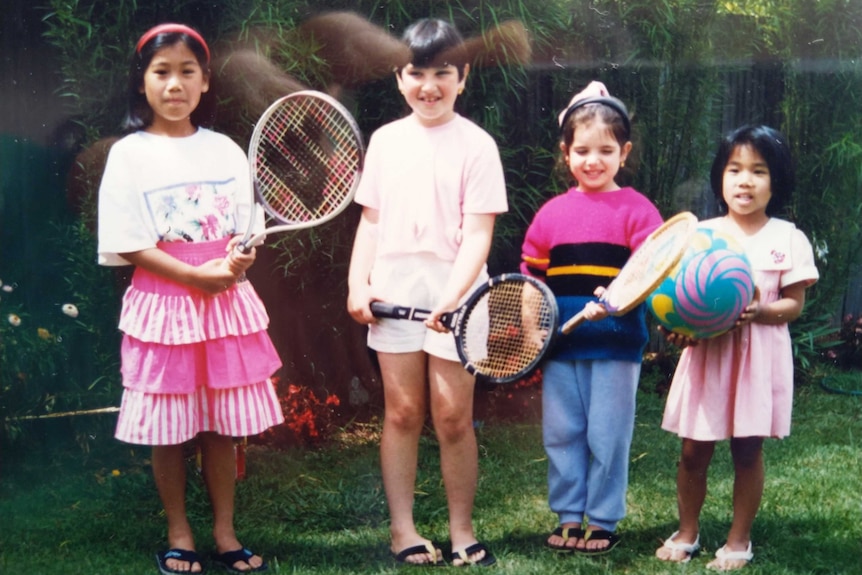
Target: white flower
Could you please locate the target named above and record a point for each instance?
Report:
(14, 320)
(70, 310)
(7, 288)
(821, 249)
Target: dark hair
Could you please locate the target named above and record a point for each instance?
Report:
(435, 42)
(609, 110)
(772, 145)
(139, 114)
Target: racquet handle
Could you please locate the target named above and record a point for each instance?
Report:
(574, 322)
(389, 310)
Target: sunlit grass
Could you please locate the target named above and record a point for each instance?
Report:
(323, 511)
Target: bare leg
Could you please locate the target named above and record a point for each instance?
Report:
(218, 464)
(747, 453)
(405, 400)
(169, 472)
(691, 479)
(451, 392)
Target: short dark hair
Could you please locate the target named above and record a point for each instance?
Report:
(139, 115)
(772, 145)
(435, 42)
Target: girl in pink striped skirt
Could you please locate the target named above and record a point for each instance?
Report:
(196, 357)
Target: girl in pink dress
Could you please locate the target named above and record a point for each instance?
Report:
(196, 357)
(739, 386)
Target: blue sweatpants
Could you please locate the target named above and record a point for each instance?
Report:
(588, 413)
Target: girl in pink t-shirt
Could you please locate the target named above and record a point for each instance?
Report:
(432, 186)
(739, 386)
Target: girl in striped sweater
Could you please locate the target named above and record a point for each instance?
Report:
(577, 243)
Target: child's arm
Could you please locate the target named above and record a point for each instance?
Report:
(212, 277)
(783, 310)
(361, 262)
(477, 233)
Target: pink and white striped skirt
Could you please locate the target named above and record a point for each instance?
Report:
(171, 419)
(192, 362)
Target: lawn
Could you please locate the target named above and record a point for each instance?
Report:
(68, 511)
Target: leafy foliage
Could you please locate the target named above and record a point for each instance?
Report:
(688, 69)
(60, 354)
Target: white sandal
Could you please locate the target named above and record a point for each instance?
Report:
(722, 556)
(688, 548)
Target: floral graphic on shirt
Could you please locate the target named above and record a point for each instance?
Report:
(777, 256)
(194, 212)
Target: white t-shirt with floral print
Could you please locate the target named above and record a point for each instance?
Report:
(158, 188)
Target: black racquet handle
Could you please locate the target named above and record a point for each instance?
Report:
(390, 310)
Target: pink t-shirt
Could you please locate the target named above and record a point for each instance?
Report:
(423, 180)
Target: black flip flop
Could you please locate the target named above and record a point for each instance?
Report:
(464, 556)
(599, 535)
(429, 548)
(181, 555)
(566, 533)
(226, 561)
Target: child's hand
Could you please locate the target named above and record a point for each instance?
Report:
(433, 321)
(751, 311)
(236, 261)
(595, 311)
(214, 276)
(359, 306)
(678, 339)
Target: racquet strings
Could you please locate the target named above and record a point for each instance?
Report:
(306, 159)
(650, 263)
(507, 329)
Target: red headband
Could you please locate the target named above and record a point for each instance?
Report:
(168, 29)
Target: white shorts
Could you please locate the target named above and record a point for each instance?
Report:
(418, 281)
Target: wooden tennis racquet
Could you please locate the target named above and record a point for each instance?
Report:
(502, 329)
(305, 158)
(647, 267)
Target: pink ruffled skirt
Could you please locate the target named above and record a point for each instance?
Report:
(192, 362)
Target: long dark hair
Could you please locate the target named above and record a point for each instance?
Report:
(139, 115)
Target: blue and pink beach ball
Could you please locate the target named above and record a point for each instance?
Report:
(707, 290)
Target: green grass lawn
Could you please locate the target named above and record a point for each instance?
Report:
(323, 511)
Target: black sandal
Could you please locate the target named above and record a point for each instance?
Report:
(566, 533)
(599, 535)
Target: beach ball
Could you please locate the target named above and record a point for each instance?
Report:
(707, 290)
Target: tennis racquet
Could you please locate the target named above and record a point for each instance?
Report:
(502, 329)
(305, 158)
(647, 267)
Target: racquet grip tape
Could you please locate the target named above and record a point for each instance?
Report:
(390, 310)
